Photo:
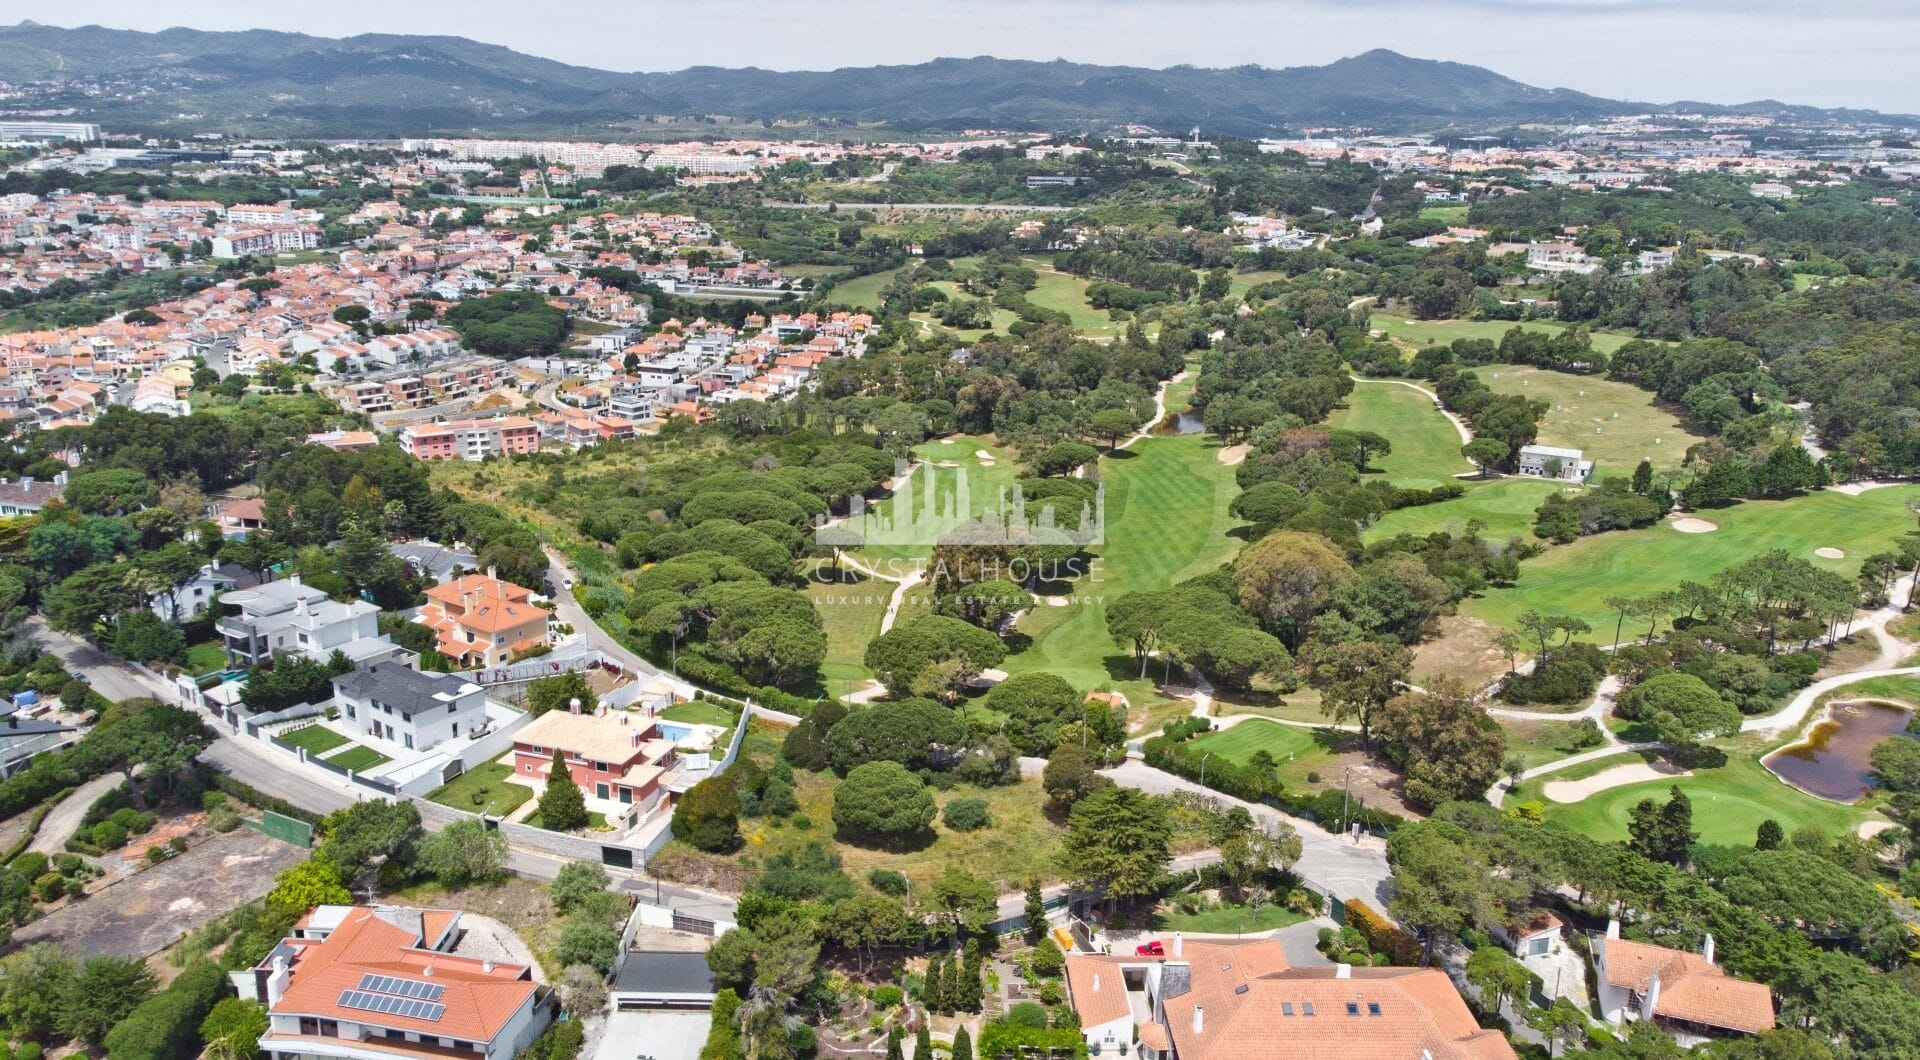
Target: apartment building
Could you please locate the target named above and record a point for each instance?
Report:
(471, 439)
(388, 703)
(482, 620)
(380, 982)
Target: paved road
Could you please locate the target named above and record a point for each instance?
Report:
(569, 611)
(1329, 862)
(104, 672)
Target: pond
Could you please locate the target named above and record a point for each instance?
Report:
(1832, 761)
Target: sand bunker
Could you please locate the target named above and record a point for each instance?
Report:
(1690, 525)
(945, 463)
(1056, 601)
(1234, 454)
(1617, 777)
(1869, 829)
(983, 454)
(1829, 553)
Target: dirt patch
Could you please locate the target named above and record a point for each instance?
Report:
(1464, 648)
(1689, 525)
(1234, 454)
(1829, 552)
(1374, 785)
(148, 911)
(1617, 777)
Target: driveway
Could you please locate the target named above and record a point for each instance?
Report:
(1329, 862)
(61, 821)
(654, 1036)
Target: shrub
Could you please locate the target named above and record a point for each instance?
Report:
(887, 996)
(1027, 1014)
(965, 815)
(50, 887)
(67, 864)
(888, 881)
(109, 835)
(1381, 934)
(32, 865)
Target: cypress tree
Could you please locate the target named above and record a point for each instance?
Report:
(962, 1045)
(1036, 913)
(934, 993)
(923, 1042)
(893, 1043)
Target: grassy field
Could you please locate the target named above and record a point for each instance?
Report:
(1446, 215)
(862, 291)
(984, 483)
(1019, 844)
(1505, 505)
(316, 739)
(1166, 521)
(1243, 282)
(1068, 294)
(1728, 804)
(699, 714)
(1421, 332)
(851, 614)
(358, 758)
(483, 789)
(1426, 447)
(1616, 424)
(1296, 750)
(1577, 578)
(1896, 689)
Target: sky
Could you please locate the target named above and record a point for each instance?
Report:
(1829, 53)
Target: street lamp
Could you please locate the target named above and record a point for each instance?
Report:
(1346, 777)
(1203, 768)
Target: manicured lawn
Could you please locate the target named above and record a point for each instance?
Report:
(1577, 578)
(1421, 332)
(699, 714)
(497, 796)
(1897, 689)
(862, 291)
(1505, 506)
(984, 485)
(1296, 750)
(1246, 281)
(850, 613)
(1615, 424)
(1225, 918)
(205, 658)
(1446, 215)
(358, 758)
(317, 739)
(1166, 521)
(1728, 804)
(1068, 294)
(1426, 446)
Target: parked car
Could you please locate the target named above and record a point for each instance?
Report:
(1156, 948)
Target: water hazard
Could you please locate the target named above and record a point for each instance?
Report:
(1832, 761)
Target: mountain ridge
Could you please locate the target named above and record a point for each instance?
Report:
(273, 82)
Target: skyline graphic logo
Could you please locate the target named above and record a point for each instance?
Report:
(933, 504)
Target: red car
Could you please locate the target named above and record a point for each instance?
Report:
(1156, 948)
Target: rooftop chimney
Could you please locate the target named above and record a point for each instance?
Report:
(1652, 1000)
(278, 980)
(1613, 928)
(1176, 944)
(1707, 949)
(1199, 1018)
(1343, 970)
(1096, 982)
(636, 739)
(492, 571)
(573, 704)
(487, 966)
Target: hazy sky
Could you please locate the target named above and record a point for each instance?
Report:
(1821, 52)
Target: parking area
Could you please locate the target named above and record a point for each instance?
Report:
(654, 1035)
(149, 910)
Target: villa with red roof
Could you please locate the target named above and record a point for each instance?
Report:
(481, 620)
(385, 982)
(1686, 993)
(1234, 999)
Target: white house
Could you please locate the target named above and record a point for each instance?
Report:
(389, 703)
(286, 616)
(1685, 993)
(191, 600)
(1554, 462)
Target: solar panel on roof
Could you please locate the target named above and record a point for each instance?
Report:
(388, 984)
(389, 1004)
